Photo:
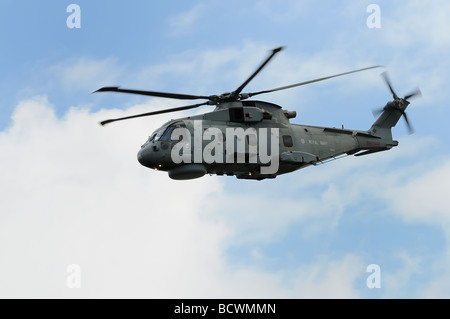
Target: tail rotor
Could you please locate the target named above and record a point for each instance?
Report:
(399, 104)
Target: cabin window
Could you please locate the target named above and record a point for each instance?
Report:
(287, 141)
(236, 114)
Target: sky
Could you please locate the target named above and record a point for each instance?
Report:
(81, 218)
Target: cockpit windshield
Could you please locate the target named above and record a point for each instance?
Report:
(167, 133)
(164, 133)
(152, 137)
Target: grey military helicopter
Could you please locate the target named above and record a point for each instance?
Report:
(236, 138)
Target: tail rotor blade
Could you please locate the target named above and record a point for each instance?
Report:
(410, 129)
(416, 93)
(388, 82)
(377, 112)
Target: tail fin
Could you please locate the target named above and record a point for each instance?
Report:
(389, 117)
(379, 137)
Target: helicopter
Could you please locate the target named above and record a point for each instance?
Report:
(253, 139)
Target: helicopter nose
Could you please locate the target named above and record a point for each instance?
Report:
(144, 157)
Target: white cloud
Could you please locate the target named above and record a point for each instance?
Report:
(333, 279)
(424, 199)
(86, 74)
(75, 194)
(438, 287)
(215, 71)
(397, 281)
(288, 11)
(183, 22)
(326, 278)
(417, 22)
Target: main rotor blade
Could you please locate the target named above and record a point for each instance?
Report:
(239, 89)
(176, 109)
(153, 93)
(311, 81)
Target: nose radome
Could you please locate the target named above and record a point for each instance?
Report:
(144, 157)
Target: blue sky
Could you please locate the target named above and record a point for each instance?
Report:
(75, 194)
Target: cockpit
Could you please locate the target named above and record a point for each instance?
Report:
(164, 133)
(156, 149)
(166, 136)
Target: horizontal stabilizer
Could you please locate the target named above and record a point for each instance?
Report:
(371, 152)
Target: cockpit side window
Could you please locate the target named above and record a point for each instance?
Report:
(287, 141)
(167, 133)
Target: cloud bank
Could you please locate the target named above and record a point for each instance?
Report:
(73, 193)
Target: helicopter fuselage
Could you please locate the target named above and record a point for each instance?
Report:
(250, 140)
